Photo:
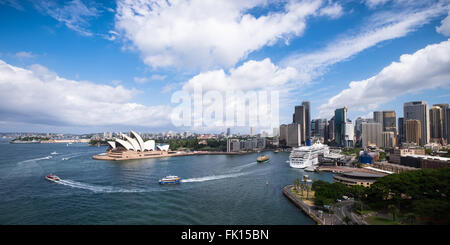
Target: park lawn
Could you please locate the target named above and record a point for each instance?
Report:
(298, 193)
(375, 220)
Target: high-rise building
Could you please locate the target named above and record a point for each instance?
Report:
(418, 110)
(228, 132)
(307, 106)
(446, 125)
(358, 127)
(252, 131)
(378, 117)
(294, 138)
(340, 118)
(275, 132)
(283, 134)
(388, 139)
(349, 134)
(313, 128)
(436, 124)
(319, 127)
(371, 133)
(300, 118)
(401, 130)
(330, 130)
(233, 145)
(389, 123)
(413, 131)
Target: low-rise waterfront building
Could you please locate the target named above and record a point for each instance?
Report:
(357, 178)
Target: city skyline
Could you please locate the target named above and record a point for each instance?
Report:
(96, 67)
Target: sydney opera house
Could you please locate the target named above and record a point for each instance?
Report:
(133, 147)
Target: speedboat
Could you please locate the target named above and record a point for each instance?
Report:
(52, 177)
(54, 153)
(170, 180)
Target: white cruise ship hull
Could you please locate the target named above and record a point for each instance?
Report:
(294, 163)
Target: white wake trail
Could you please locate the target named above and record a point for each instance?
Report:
(95, 188)
(213, 177)
(35, 159)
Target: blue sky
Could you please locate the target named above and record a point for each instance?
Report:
(84, 66)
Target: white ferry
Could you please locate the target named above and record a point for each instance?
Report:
(306, 156)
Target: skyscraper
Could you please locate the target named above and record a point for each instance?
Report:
(388, 139)
(330, 130)
(294, 135)
(228, 132)
(252, 131)
(378, 117)
(340, 118)
(418, 110)
(300, 118)
(283, 134)
(307, 106)
(413, 131)
(390, 122)
(401, 130)
(445, 120)
(436, 124)
(349, 134)
(447, 123)
(371, 133)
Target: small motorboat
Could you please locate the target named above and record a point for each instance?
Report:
(52, 177)
(54, 153)
(170, 180)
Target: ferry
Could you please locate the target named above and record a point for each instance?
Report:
(170, 180)
(52, 177)
(306, 156)
(262, 158)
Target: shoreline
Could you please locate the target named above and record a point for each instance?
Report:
(131, 155)
(302, 205)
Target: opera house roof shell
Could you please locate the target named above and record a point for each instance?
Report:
(134, 142)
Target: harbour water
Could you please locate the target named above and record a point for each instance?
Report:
(215, 189)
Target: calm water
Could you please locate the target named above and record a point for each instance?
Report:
(215, 190)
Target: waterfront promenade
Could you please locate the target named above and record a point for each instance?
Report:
(319, 217)
(340, 211)
(132, 155)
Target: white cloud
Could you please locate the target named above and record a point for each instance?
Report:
(252, 75)
(380, 27)
(207, 34)
(333, 11)
(375, 3)
(140, 79)
(37, 95)
(73, 14)
(24, 55)
(425, 69)
(444, 28)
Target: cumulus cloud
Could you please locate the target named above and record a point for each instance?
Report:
(444, 28)
(207, 34)
(37, 95)
(380, 27)
(425, 69)
(252, 75)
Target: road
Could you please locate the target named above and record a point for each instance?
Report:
(344, 209)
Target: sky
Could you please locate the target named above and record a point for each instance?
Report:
(85, 66)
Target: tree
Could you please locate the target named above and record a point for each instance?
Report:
(393, 210)
(410, 218)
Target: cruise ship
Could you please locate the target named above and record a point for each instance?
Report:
(305, 156)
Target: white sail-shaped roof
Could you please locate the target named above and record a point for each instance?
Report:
(112, 144)
(163, 147)
(133, 142)
(149, 145)
(139, 140)
(125, 144)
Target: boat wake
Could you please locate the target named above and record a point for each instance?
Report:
(95, 188)
(35, 159)
(239, 168)
(213, 177)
